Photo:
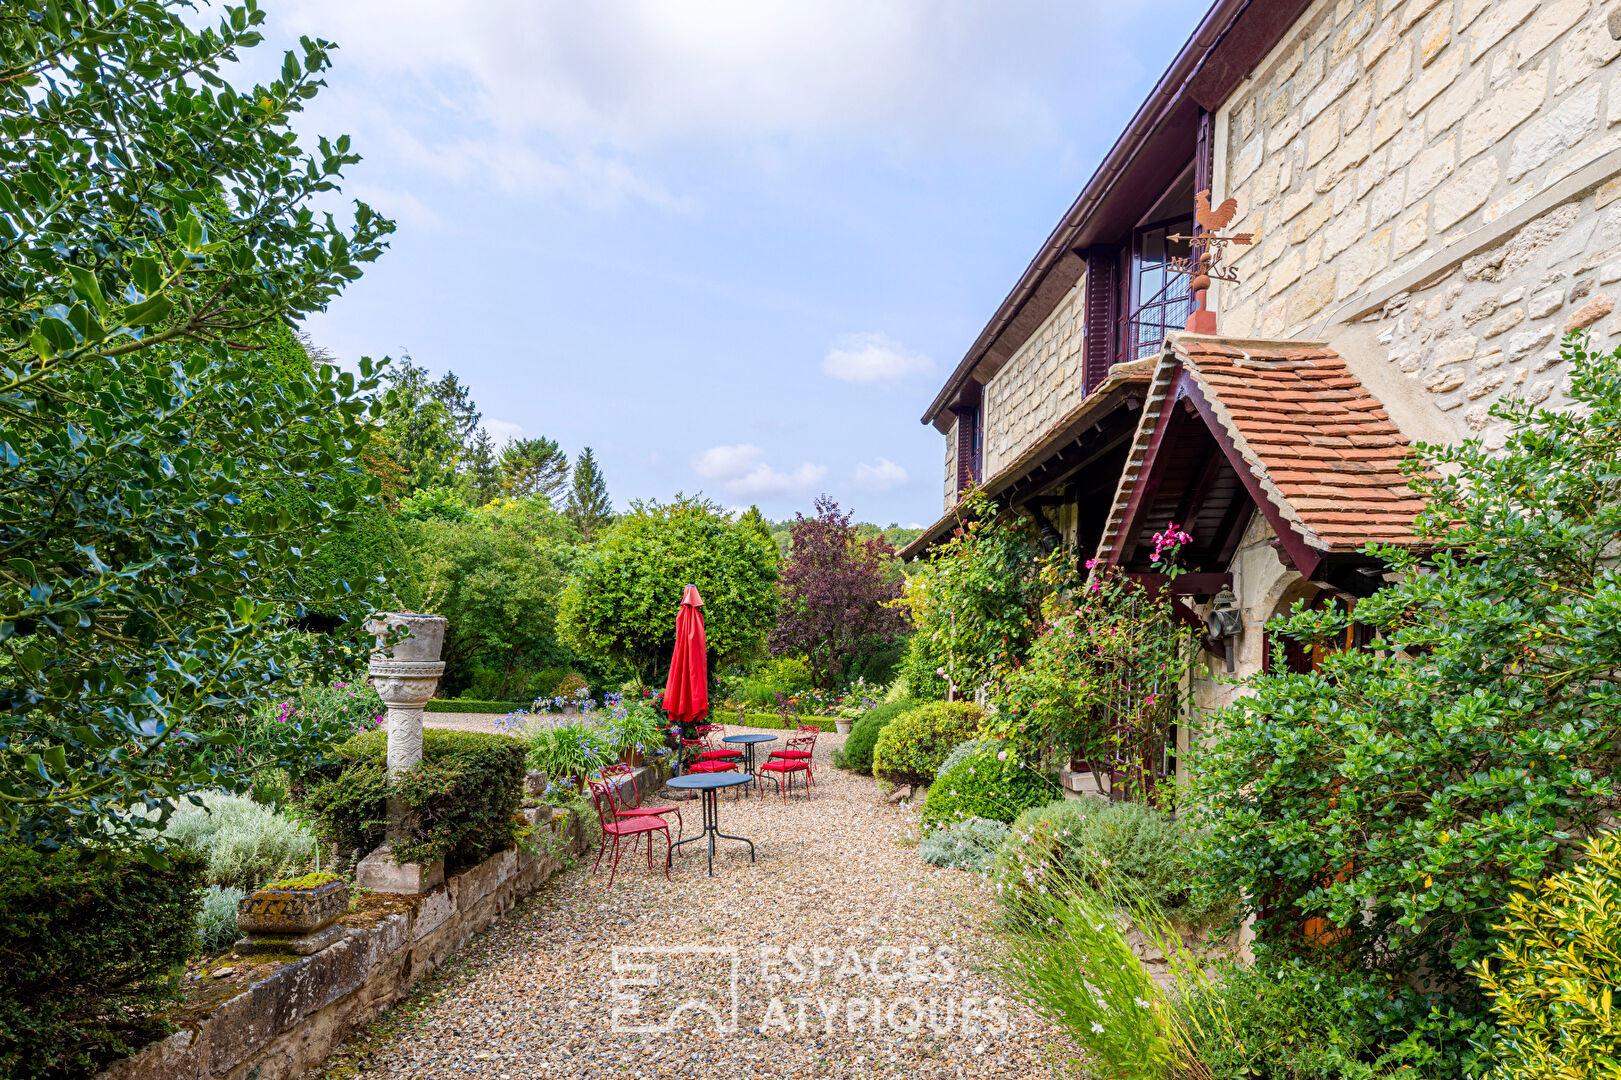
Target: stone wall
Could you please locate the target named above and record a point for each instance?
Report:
(291, 1015)
(1038, 384)
(1439, 169)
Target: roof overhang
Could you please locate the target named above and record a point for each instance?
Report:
(1045, 460)
(1233, 37)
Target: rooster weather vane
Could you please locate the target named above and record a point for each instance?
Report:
(1205, 256)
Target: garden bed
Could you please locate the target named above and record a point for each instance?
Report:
(274, 1016)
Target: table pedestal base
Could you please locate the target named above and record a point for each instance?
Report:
(711, 830)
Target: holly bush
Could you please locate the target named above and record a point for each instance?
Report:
(157, 236)
(1400, 792)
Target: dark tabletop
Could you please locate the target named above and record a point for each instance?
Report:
(750, 738)
(704, 781)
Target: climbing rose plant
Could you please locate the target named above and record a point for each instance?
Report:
(975, 601)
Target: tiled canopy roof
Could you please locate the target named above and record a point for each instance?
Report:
(1313, 439)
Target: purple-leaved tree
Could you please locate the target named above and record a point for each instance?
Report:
(835, 596)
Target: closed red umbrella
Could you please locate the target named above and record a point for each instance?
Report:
(686, 693)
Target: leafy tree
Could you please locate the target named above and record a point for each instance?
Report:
(155, 230)
(1398, 794)
(532, 467)
(495, 582)
(836, 602)
(625, 591)
(589, 507)
(440, 503)
(975, 601)
(482, 480)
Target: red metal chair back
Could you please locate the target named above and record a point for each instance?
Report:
(619, 788)
(602, 792)
(805, 743)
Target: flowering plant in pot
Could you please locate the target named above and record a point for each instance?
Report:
(634, 727)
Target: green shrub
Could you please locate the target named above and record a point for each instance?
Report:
(985, 779)
(773, 722)
(1290, 1021)
(216, 919)
(857, 753)
(912, 747)
(1118, 846)
(1556, 969)
(88, 950)
(462, 799)
(243, 842)
(964, 845)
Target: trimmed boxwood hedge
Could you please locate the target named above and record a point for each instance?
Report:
(88, 951)
(461, 705)
(773, 722)
(857, 753)
(463, 798)
(976, 783)
(915, 744)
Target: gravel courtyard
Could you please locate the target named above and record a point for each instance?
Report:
(850, 957)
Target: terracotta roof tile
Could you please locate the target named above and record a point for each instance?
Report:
(1325, 445)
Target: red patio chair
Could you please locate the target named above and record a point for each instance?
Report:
(615, 827)
(783, 767)
(636, 809)
(807, 755)
(707, 765)
(711, 734)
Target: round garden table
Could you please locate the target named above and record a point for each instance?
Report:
(709, 784)
(748, 742)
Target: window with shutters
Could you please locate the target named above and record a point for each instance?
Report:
(1162, 297)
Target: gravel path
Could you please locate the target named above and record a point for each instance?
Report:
(477, 721)
(852, 958)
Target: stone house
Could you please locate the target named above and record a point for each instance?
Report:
(1434, 187)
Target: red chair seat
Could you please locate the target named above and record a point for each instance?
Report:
(718, 755)
(627, 825)
(795, 755)
(784, 766)
(711, 766)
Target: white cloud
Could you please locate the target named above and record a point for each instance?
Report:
(502, 432)
(726, 462)
(870, 358)
(553, 95)
(746, 474)
(763, 480)
(884, 475)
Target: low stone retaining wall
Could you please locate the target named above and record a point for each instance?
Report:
(295, 1011)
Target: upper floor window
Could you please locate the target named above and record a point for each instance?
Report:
(1161, 297)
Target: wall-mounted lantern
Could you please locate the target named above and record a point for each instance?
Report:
(1225, 622)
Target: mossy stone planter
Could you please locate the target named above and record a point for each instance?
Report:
(292, 911)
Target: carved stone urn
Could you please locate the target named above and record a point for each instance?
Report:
(405, 669)
(300, 920)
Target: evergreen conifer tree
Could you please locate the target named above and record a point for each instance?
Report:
(589, 507)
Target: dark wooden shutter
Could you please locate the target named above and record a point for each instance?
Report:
(1100, 309)
(1203, 157)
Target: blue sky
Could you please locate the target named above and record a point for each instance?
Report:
(733, 246)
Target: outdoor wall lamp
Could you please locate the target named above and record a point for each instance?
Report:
(1225, 622)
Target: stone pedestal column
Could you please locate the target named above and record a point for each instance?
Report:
(405, 675)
